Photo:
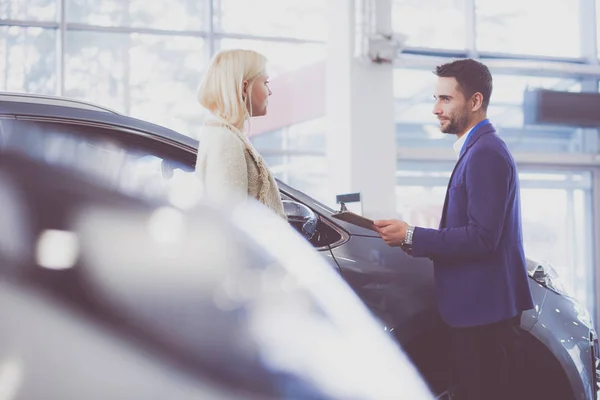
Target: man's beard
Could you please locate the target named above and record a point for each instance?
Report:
(458, 124)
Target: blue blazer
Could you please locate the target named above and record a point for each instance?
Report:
(478, 256)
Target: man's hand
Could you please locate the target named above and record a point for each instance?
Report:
(392, 231)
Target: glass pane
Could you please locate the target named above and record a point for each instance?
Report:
(95, 68)
(308, 136)
(166, 93)
(420, 191)
(36, 10)
(506, 111)
(558, 233)
(283, 57)
(307, 174)
(420, 205)
(507, 98)
(173, 15)
(111, 69)
(509, 89)
(598, 26)
(295, 19)
(268, 141)
(418, 127)
(528, 27)
(283, 150)
(275, 163)
(436, 23)
(414, 84)
(27, 60)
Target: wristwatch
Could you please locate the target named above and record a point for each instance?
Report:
(409, 235)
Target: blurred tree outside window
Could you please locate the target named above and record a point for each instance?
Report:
(29, 10)
(151, 77)
(169, 15)
(27, 59)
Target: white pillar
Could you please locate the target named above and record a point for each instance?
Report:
(361, 147)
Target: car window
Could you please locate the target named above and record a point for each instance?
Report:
(126, 160)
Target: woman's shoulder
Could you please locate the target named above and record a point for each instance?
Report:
(219, 137)
(215, 129)
(218, 133)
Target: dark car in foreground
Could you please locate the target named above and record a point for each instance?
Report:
(109, 296)
(560, 344)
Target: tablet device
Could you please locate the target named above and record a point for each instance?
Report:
(354, 219)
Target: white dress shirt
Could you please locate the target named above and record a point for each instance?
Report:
(459, 144)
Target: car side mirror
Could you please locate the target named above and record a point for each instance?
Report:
(302, 218)
(168, 168)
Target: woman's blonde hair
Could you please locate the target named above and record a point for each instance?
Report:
(221, 88)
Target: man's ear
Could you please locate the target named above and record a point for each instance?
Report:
(476, 101)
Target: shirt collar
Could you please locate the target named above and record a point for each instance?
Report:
(459, 144)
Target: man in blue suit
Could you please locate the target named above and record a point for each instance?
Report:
(480, 275)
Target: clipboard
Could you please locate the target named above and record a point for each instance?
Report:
(354, 219)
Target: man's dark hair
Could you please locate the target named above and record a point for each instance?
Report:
(472, 77)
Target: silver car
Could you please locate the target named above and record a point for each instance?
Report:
(561, 348)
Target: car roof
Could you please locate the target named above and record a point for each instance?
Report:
(30, 105)
(52, 100)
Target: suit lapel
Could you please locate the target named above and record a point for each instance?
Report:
(487, 128)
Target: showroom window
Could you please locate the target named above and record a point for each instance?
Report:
(275, 18)
(437, 24)
(146, 59)
(557, 215)
(296, 155)
(418, 127)
(528, 27)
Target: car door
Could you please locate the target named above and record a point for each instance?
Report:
(396, 288)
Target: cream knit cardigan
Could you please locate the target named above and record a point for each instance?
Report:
(231, 170)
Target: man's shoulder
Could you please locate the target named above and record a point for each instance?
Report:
(491, 147)
(492, 142)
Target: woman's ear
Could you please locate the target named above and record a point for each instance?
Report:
(244, 89)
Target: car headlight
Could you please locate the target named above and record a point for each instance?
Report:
(546, 275)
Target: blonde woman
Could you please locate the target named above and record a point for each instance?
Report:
(235, 88)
